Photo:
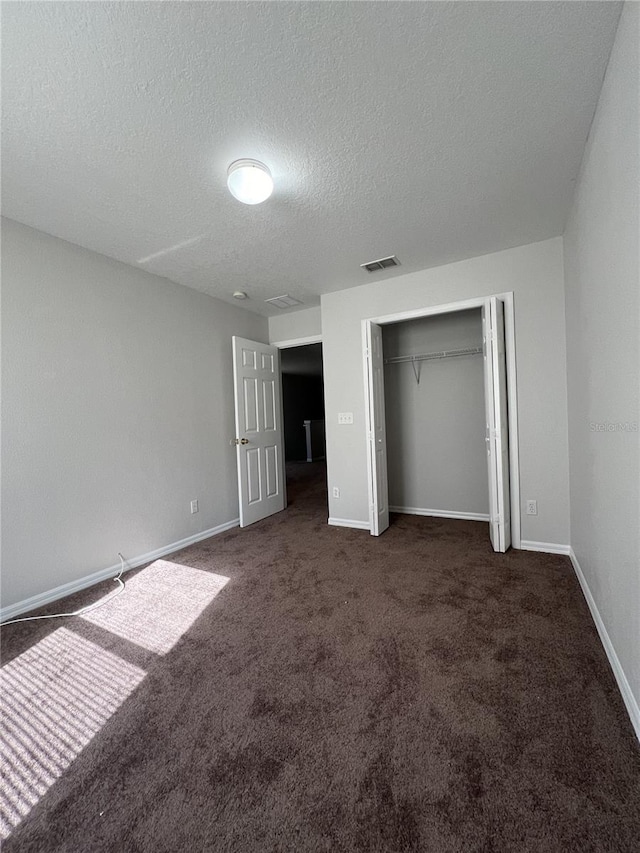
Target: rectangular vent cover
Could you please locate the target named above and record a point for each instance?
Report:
(382, 264)
(284, 301)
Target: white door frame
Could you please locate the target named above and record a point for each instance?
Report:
(512, 393)
(297, 342)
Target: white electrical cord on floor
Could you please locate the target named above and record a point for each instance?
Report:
(83, 610)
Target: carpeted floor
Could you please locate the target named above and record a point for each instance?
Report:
(339, 692)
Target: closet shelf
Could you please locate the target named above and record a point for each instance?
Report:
(425, 356)
(415, 360)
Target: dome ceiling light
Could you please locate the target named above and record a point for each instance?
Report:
(249, 181)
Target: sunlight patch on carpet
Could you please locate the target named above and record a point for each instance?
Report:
(158, 605)
(55, 697)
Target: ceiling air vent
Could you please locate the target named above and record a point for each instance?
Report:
(382, 264)
(285, 301)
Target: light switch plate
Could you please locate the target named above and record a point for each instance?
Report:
(345, 417)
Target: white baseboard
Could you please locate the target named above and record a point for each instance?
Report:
(349, 522)
(545, 547)
(51, 595)
(441, 513)
(623, 685)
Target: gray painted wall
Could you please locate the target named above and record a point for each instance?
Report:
(436, 428)
(117, 411)
(295, 324)
(603, 353)
(535, 274)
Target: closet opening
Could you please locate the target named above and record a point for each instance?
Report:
(441, 416)
(435, 416)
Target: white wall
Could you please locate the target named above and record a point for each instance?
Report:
(436, 428)
(535, 274)
(117, 411)
(295, 325)
(603, 353)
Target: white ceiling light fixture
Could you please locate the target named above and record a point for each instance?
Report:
(239, 294)
(249, 181)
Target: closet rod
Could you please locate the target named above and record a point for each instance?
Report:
(425, 356)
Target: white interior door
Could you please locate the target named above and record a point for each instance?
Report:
(376, 431)
(497, 435)
(256, 379)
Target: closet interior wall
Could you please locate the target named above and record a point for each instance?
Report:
(436, 454)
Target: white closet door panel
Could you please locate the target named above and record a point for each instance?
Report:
(377, 438)
(497, 426)
(502, 421)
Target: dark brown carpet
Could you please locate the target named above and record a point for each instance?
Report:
(344, 693)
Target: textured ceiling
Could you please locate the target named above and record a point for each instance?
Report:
(434, 131)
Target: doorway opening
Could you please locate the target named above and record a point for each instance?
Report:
(304, 422)
(442, 417)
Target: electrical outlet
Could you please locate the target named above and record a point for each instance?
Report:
(532, 507)
(345, 417)
(336, 492)
(194, 507)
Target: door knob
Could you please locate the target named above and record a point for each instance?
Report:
(240, 441)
